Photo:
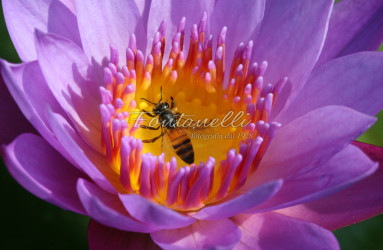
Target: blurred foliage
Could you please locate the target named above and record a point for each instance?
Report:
(30, 223)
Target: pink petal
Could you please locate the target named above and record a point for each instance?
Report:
(291, 38)
(143, 7)
(67, 72)
(43, 171)
(23, 17)
(13, 122)
(240, 203)
(153, 213)
(173, 11)
(31, 93)
(344, 169)
(86, 159)
(107, 209)
(354, 81)
(218, 234)
(311, 140)
(354, 26)
(357, 203)
(243, 22)
(276, 231)
(101, 237)
(102, 23)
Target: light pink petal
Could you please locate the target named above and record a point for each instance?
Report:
(276, 231)
(68, 74)
(344, 169)
(13, 122)
(102, 23)
(144, 7)
(85, 158)
(29, 89)
(101, 237)
(243, 22)
(311, 140)
(23, 17)
(107, 209)
(354, 81)
(218, 234)
(154, 214)
(240, 203)
(70, 4)
(173, 11)
(43, 171)
(357, 203)
(354, 26)
(292, 35)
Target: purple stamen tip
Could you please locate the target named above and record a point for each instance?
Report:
(194, 33)
(140, 56)
(125, 71)
(248, 49)
(133, 74)
(222, 36)
(120, 116)
(112, 68)
(174, 74)
(259, 83)
(211, 65)
(262, 68)
(129, 55)
(181, 25)
(120, 78)
(118, 103)
(176, 39)
(157, 38)
(162, 28)
(150, 60)
(202, 24)
(219, 53)
(105, 114)
(207, 77)
(130, 88)
(157, 49)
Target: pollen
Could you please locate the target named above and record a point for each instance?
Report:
(234, 102)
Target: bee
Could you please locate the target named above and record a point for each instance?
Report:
(178, 137)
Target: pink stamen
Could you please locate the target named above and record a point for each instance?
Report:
(188, 187)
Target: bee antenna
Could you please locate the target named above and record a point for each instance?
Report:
(148, 101)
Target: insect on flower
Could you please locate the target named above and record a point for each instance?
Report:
(179, 139)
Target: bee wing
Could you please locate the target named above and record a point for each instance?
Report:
(166, 146)
(198, 128)
(192, 125)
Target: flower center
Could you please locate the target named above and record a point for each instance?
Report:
(178, 134)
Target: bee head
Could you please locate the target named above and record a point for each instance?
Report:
(160, 107)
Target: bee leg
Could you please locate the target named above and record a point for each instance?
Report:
(172, 104)
(162, 141)
(151, 128)
(153, 139)
(148, 113)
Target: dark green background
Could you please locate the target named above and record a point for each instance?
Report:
(27, 222)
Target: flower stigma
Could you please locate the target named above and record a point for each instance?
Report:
(223, 124)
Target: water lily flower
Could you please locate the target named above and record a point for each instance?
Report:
(304, 75)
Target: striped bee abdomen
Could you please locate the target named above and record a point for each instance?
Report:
(181, 144)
